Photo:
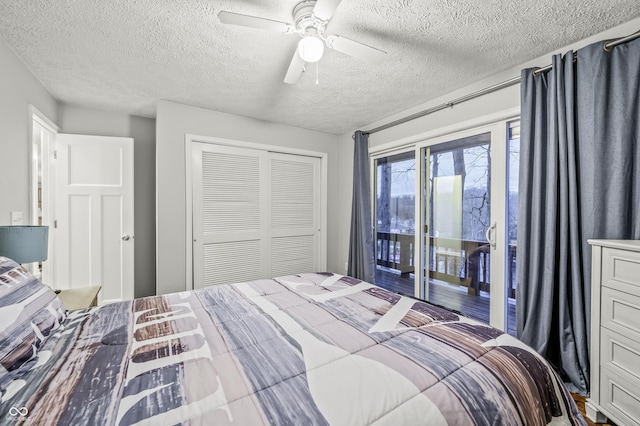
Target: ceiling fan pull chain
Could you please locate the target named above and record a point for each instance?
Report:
(317, 73)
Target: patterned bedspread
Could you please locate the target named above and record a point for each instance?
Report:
(302, 350)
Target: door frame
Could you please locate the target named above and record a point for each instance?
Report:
(49, 169)
(190, 139)
(48, 185)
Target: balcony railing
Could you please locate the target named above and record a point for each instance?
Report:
(460, 262)
(395, 251)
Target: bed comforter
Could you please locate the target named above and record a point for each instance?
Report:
(303, 350)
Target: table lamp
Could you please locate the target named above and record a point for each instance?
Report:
(24, 244)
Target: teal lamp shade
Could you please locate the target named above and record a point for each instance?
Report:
(24, 244)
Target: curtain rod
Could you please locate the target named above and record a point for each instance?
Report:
(449, 104)
(607, 46)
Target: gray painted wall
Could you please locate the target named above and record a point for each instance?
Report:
(345, 194)
(87, 121)
(18, 89)
(173, 121)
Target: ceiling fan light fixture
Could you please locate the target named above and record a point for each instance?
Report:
(310, 48)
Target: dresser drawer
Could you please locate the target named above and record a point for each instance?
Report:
(621, 270)
(620, 312)
(620, 397)
(620, 353)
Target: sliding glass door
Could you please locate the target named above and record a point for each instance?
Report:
(468, 218)
(458, 214)
(446, 221)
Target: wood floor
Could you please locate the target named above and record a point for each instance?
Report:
(579, 399)
(448, 295)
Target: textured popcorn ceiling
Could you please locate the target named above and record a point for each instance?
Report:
(125, 55)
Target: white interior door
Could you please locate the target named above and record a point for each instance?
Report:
(94, 234)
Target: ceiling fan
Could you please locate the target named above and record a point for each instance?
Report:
(310, 19)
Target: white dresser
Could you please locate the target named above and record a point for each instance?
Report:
(615, 332)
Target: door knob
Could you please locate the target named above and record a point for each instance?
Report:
(126, 237)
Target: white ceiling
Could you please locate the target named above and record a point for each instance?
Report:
(126, 55)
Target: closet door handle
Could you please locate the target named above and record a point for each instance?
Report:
(491, 233)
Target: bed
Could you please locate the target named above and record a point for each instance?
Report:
(315, 348)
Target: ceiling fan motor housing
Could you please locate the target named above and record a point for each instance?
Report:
(306, 23)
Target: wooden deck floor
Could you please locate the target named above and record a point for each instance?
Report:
(448, 295)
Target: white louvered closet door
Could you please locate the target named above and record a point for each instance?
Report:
(256, 214)
(295, 213)
(230, 235)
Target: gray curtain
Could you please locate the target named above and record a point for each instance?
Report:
(361, 259)
(579, 179)
(550, 308)
(608, 117)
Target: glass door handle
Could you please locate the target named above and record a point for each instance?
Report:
(491, 233)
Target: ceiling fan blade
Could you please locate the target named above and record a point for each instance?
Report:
(295, 69)
(254, 22)
(355, 49)
(324, 9)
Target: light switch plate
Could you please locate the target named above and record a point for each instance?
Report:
(16, 218)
